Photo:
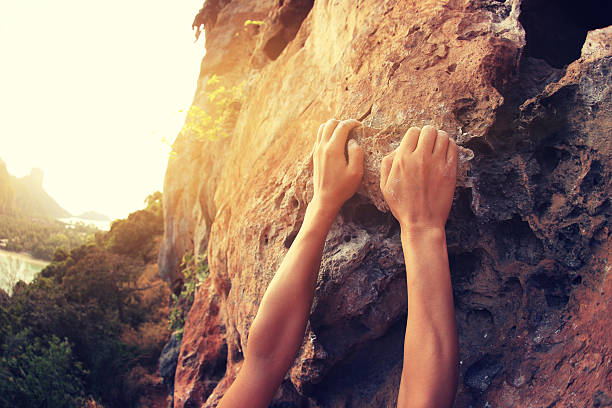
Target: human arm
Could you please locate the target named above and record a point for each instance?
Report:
(278, 328)
(418, 180)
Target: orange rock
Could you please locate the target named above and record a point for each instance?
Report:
(522, 259)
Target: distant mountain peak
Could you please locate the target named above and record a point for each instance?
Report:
(25, 195)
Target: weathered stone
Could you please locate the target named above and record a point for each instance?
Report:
(528, 234)
(203, 356)
(168, 360)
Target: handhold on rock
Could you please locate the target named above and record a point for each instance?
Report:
(377, 143)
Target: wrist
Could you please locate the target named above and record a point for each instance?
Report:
(417, 233)
(323, 209)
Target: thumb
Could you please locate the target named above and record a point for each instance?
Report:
(355, 157)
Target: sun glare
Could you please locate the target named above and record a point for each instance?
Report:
(90, 91)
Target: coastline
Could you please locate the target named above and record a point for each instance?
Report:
(24, 256)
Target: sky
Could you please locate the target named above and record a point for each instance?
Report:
(90, 90)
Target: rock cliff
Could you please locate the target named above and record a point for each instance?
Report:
(525, 92)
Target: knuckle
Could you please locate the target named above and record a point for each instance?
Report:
(345, 124)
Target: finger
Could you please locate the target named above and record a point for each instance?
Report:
(451, 154)
(338, 138)
(328, 129)
(427, 138)
(355, 157)
(409, 142)
(320, 132)
(441, 145)
(451, 162)
(385, 168)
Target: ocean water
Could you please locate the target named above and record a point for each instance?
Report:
(15, 267)
(102, 225)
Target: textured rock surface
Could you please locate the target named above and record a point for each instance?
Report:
(528, 234)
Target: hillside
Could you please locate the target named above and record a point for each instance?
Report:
(89, 329)
(517, 83)
(31, 198)
(26, 196)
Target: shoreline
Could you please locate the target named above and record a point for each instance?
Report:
(24, 256)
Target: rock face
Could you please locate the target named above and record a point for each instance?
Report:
(528, 234)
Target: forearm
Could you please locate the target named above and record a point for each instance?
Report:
(278, 329)
(429, 375)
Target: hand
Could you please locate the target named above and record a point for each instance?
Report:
(418, 178)
(335, 180)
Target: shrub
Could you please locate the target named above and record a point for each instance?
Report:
(194, 270)
(219, 118)
(40, 372)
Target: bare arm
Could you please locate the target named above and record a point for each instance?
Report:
(418, 180)
(278, 328)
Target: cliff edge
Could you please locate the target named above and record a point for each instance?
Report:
(528, 235)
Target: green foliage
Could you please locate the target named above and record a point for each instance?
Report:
(194, 270)
(219, 117)
(41, 237)
(253, 22)
(133, 236)
(176, 318)
(39, 372)
(97, 298)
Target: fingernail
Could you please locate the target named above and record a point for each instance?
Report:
(352, 142)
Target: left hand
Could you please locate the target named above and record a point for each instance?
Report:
(335, 180)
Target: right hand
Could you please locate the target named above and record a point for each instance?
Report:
(418, 178)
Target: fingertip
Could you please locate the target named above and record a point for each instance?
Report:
(427, 139)
(328, 129)
(441, 144)
(410, 140)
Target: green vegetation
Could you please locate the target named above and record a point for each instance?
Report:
(219, 118)
(40, 236)
(194, 270)
(39, 372)
(91, 325)
(253, 22)
(27, 218)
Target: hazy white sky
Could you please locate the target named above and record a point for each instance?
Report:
(88, 89)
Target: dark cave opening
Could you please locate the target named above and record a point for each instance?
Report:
(555, 30)
(290, 16)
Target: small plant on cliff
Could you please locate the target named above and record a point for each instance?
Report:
(253, 22)
(219, 117)
(194, 270)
